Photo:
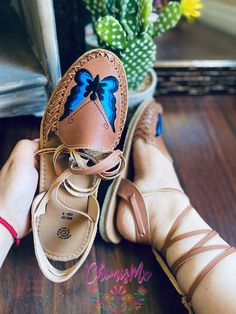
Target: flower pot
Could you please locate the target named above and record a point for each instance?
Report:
(146, 90)
(91, 41)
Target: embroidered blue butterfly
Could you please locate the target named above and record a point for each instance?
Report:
(94, 88)
(159, 125)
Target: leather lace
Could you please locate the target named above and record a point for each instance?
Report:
(126, 190)
(106, 167)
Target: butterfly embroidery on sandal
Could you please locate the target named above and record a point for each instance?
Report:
(86, 86)
(159, 125)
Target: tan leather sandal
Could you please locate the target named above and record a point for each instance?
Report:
(147, 125)
(107, 223)
(152, 111)
(80, 129)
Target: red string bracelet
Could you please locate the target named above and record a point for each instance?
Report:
(11, 230)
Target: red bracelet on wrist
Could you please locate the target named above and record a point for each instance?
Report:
(11, 230)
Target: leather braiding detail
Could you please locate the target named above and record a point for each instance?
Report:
(146, 127)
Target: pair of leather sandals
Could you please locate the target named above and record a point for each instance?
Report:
(80, 130)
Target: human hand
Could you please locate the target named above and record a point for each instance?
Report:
(18, 183)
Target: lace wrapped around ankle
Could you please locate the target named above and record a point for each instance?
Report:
(132, 195)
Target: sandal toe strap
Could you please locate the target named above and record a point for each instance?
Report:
(132, 195)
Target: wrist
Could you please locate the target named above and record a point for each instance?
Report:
(10, 219)
(6, 236)
(10, 229)
(6, 241)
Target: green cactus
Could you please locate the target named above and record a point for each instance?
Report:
(111, 6)
(111, 32)
(138, 57)
(124, 27)
(128, 17)
(167, 19)
(145, 9)
(96, 8)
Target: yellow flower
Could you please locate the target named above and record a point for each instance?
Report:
(191, 8)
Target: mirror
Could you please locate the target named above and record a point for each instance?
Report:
(200, 57)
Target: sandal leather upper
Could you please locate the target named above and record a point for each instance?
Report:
(149, 127)
(87, 109)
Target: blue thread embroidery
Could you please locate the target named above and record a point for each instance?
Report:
(159, 125)
(94, 88)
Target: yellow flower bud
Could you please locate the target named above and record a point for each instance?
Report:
(191, 8)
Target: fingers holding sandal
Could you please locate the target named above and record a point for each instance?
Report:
(18, 183)
(24, 152)
(24, 146)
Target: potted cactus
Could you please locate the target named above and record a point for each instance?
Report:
(125, 27)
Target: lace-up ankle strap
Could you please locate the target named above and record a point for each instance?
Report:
(103, 167)
(129, 192)
(106, 168)
(198, 248)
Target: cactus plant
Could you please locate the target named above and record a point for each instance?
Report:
(124, 27)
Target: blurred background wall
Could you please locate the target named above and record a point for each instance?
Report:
(220, 14)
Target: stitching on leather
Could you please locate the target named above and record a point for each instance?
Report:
(100, 112)
(78, 109)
